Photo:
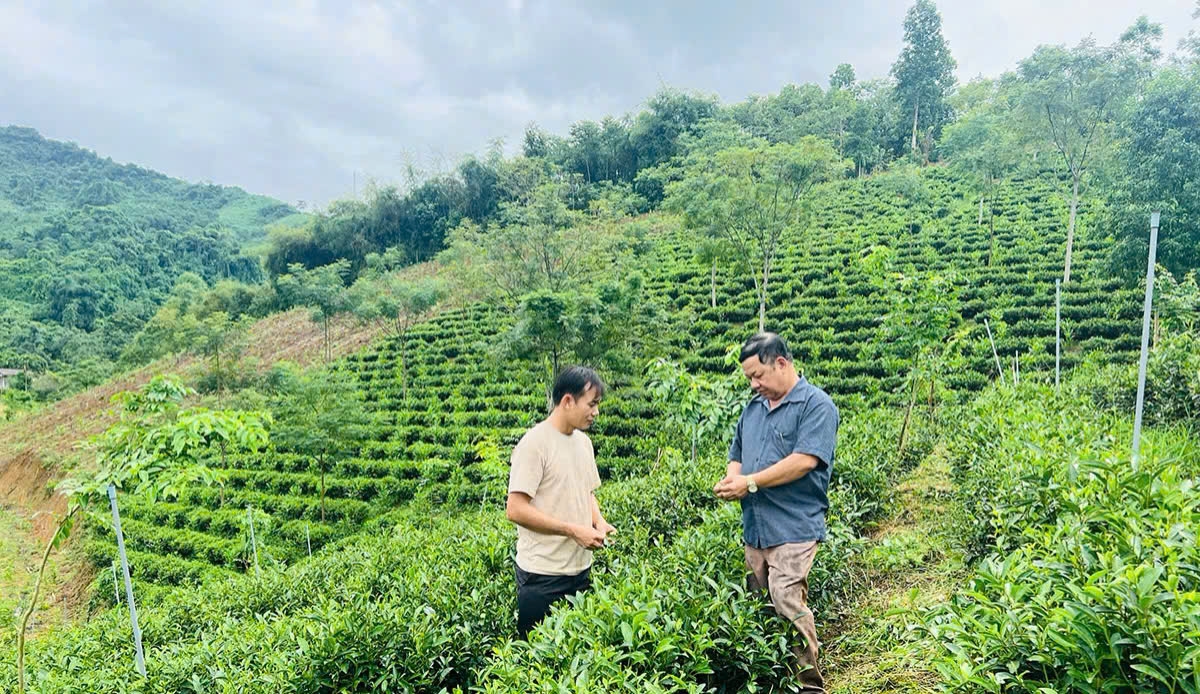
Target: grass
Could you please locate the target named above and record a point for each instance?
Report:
(914, 562)
(20, 553)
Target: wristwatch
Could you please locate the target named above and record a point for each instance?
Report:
(751, 486)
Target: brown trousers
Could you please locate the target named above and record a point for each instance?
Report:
(782, 571)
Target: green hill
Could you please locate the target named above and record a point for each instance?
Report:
(89, 248)
(416, 508)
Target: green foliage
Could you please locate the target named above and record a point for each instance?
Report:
(699, 407)
(154, 449)
(615, 326)
(1073, 99)
(1089, 579)
(924, 75)
(322, 289)
(1157, 161)
(1173, 366)
(89, 248)
(535, 246)
(752, 197)
(320, 413)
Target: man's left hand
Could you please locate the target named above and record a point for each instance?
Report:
(731, 488)
(605, 528)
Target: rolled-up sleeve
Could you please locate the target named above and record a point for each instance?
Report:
(816, 433)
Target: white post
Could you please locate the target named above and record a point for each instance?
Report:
(1141, 391)
(995, 354)
(253, 543)
(140, 660)
(1057, 329)
(307, 539)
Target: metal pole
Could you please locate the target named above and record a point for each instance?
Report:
(253, 542)
(140, 659)
(1057, 329)
(307, 539)
(995, 354)
(1141, 391)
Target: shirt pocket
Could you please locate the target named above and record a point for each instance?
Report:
(782, 439)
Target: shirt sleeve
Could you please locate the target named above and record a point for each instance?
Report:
(816, 433)
(525, 474)
(593, 471)
(735, 447)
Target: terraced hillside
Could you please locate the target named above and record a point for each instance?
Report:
(447, 443)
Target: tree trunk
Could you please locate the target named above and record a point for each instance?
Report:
(217, 361)
(991, 234)
(404, 367)
(762, 301)
(1071, 228)
(916, 109)
(714, 283)
(912, 401)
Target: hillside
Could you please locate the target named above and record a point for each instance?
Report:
(435, 447)
(89, 248)
(311, 470)
(426, 445)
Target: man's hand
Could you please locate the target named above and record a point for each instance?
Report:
(586, 537)
(731, 487)
(605, 528)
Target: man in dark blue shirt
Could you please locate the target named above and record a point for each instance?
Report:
(779, 466)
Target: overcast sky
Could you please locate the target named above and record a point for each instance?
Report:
(295, 99)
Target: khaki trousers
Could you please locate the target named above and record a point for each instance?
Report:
(782, 571)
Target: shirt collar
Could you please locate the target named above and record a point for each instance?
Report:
(798, 393)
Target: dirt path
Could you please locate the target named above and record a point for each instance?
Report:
(914, 562)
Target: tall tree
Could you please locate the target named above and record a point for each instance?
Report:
(753, 196)
(1073, 96)
(537, 245)
(1157, 165)
(871, 126)
(983, 144)
(924, 71)
(395, 304)
(321, 289)
(842, 77)
(319, 413)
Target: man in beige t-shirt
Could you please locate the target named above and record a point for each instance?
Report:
(551, 499)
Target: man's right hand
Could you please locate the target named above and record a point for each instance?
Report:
(587, 537)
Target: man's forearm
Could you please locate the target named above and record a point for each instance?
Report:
(789, 469)
(733, 468)
(527, 516)
(597, 517)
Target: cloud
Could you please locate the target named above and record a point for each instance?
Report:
(299, 99)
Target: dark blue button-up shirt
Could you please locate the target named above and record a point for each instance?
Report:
(806, 421)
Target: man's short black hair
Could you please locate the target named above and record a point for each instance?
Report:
(574, 381)
(767, 347)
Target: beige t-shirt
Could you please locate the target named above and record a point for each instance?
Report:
(558, 472)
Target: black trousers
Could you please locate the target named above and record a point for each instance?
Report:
(537, 592)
